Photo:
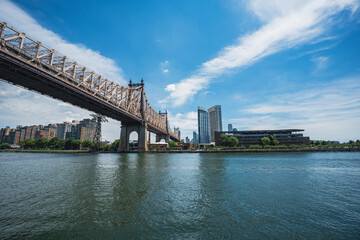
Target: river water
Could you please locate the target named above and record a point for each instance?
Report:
(167, 196)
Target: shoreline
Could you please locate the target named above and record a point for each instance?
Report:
(307, 150)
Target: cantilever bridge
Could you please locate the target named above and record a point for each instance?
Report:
(30, 64)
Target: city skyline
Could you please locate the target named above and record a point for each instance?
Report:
(265, 74)
(83, 130)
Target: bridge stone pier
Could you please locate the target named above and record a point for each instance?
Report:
(142, 132)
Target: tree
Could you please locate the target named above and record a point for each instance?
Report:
(323, 143)
(351, 142)
(56, 143)
(171, 143)
(68, 143)
(274, 140)
(115, 145)
(27, 144)
(76, 144)
(5, 146)
(317, 143)
(87, 144)
(104, 148)
(41, 143)
(265, 141)
(72, 144)
(232, 141)
(223, 140)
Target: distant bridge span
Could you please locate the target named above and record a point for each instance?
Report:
(30, 64)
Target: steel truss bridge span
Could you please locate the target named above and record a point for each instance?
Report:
(30, 64)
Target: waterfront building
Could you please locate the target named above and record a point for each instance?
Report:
(230, 128)
(215, 120)
(86, 130)
(28, 132)
(86, 133)
(83, 130)
(62, 129)
(4, 133)
(22, 134)
(49, 131)
(203, 125)
(17, 135)
(253, 137)
(73, 132)
(195, 138)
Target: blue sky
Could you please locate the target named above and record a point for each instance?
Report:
(269, 64)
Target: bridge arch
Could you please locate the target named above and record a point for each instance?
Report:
(134, 140)
(128, 130)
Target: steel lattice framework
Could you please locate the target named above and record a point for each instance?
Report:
(131, 100)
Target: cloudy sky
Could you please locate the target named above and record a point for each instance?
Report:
(269, 64)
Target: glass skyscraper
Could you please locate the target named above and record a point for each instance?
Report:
(203, 125)
(215, 121)
(195, 138)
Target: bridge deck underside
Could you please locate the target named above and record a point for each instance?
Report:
(17, 72)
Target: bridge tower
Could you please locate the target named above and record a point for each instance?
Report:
(166, 137)
(140, 128)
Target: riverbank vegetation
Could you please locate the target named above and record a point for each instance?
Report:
(267, 143)
(227, 144)
(57, 144)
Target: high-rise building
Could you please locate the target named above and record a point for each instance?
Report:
(203, 125)
(83, 130)
(4, 134)
(34, 130)
(195, 138)
(72, 133)
(62, 129)
(230, 128)
(86, 130)
(215, 121)
(187, 140)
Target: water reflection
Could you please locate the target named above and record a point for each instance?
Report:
(135, 196)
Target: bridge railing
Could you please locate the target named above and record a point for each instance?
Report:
(58, 65)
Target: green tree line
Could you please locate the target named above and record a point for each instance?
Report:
(57, 143)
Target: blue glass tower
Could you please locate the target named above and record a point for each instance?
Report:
(203, 125)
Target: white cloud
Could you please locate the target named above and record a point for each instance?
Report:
(321, 62)
(186, 121)
(329, 112)
(19, 19)
(287, 24)
(170, 87)
(164, 66)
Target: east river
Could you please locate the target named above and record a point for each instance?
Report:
(167, 196)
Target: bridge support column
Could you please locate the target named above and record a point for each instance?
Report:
(126, 130)
(142, 140)
(160, 137)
